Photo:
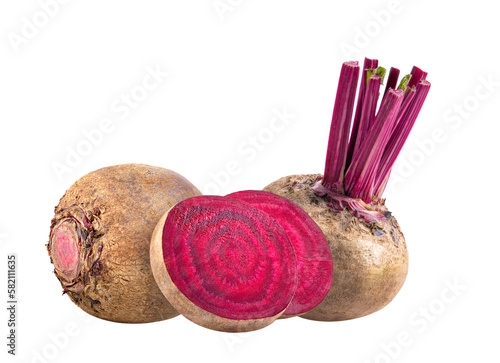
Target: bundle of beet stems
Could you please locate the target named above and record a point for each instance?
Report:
(323, 247)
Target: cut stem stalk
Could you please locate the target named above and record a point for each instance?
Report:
(368, 64)
(339, 130)
(361, 176)
(405, 122)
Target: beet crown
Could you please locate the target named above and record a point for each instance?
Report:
(360, 158)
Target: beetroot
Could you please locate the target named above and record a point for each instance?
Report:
(223, 264)
(314, 259)
(100, 237)
(368, 248)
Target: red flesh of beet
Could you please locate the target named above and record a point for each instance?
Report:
(66, 255)
(229, 258)
(314, 259)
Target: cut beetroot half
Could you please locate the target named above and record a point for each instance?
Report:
(314, 259)
(223, 263)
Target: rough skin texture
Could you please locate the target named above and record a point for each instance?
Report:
(371, 260)
(114, 211)
(187, 308)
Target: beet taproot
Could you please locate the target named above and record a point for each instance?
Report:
(223, 264)
(368, 248)
(100, 238)
(314, 260)
(370, 260)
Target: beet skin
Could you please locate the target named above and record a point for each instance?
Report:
(100, 237)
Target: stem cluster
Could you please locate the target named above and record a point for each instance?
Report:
(362, 151)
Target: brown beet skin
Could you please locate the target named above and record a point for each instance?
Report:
(109, 215)
(371, 260)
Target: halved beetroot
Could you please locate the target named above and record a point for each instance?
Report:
(314, 259)
(223, 264)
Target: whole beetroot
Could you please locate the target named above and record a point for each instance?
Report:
(367, 245)
(100, 237)
(370, 259)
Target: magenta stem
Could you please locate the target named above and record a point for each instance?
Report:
(392, 80)
(359, 161)
(368, 110)
(417, 75)
(360, 178)
(368, 64)
(340, 127)
(405, 123)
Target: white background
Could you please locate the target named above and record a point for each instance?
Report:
(227, 72)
